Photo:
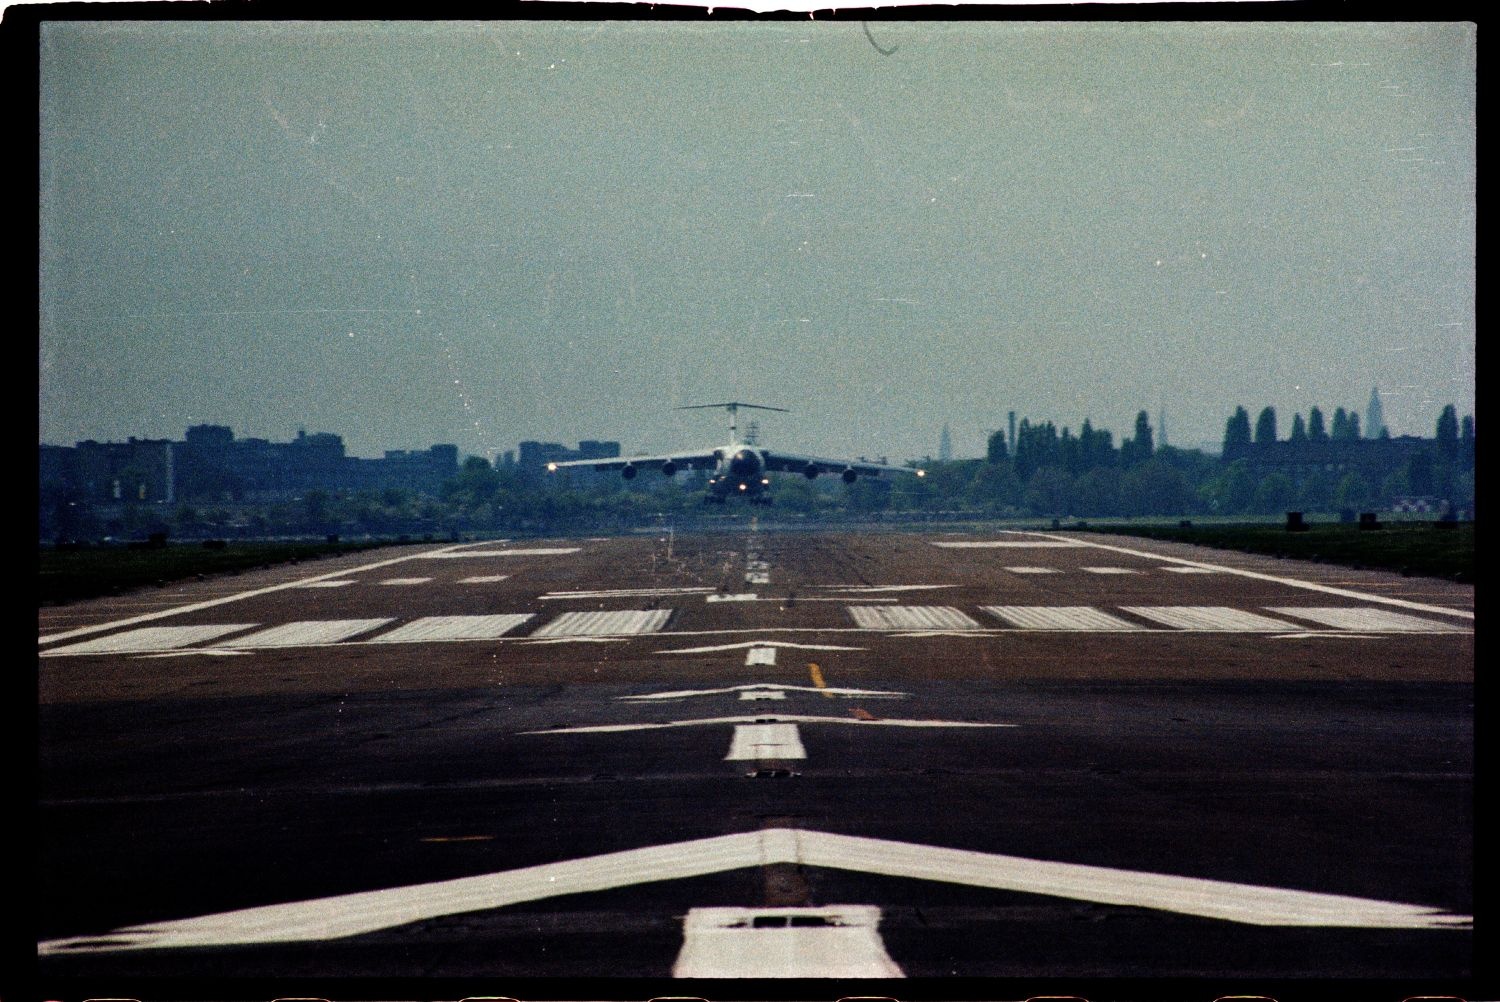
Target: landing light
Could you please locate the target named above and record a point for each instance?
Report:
(742, 486)
(921, 473)
(551, 467)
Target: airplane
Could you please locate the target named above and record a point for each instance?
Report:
(740, 468)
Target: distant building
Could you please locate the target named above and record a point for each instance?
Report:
(210, 466)
(945, 445)
(1374, 418)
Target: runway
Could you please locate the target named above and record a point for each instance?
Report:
(864, 757)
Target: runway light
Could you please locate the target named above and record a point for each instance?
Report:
(551, 467)
(921, 473)
(742, 486)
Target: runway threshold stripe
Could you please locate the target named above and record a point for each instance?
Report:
(911, 617)
(760, 656)
(1210, 618)
(147, 639)
(834, 941)
(306, 634)
(1370, 620)
(1062, 617)
(431, 628)
(605, 624)
(370, 911)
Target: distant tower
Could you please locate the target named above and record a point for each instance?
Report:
(1012, 439)
(1374, 419)
(1161, 427)
(945, 445)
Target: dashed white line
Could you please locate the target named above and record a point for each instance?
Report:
(1111, 570)
(405, 581)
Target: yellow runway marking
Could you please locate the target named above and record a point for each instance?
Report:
(817, 679)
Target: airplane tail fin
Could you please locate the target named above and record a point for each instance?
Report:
(733, 407)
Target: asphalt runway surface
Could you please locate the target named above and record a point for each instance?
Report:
(999, 759)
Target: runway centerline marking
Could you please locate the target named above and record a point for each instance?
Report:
(760, 656)
(755, 742)
(361, 912)
(832, 941)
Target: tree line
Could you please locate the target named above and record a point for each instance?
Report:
(1045, 472)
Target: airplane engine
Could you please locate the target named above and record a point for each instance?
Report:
(849, 475)
(628, 471)
(811, 472)
(668, 468)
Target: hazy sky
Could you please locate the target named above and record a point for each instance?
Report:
(408, 233)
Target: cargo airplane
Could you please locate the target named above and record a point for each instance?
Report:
(739, 468)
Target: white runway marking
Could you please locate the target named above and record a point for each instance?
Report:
(1190, 570)
(535, 551)
(741, 597)
(1032, 570)
(196, 606)
(149, 638)
(757, 577)
(911, 617)
(484, 579)
(370, 911)
(1216, 618)
(769, 686)
(627, 593)
(1375, 620)
(453, 628)
(758, 643)
(1009, 544)
(876, 589)
(1062, 617)
(762, 694)
(1289, 582)
(306, 634)
(759, 741)
(760, 656)
(834, 941)
(322, 584)
(780, 718)
(1111, 570)
(605, 624)
(405, 581)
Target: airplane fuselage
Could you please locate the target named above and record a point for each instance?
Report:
(741, 472)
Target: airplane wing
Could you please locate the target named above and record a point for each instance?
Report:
(703, 459)
(812, 465)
